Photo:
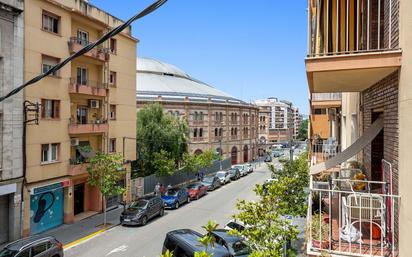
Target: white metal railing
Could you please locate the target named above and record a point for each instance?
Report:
(321, 152)
(352, 218)
(367, 26)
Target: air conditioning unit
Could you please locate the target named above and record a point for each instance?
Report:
(94, 104)
(74, 141)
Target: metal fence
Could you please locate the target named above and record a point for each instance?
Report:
(181, 176)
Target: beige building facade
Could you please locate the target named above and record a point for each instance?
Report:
(216, 120)
(87, 106)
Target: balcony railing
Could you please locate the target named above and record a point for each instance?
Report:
(352, 27)
(100, 126)
(326, 97)
(99, 53)
(324, 151)
(348, 218)
(88, 87)
(198, 139)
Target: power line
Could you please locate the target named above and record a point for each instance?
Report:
(87, 48)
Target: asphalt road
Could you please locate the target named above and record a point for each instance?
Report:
(147, 241)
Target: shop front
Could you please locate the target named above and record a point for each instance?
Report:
(47, 207)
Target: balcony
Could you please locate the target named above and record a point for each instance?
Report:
(355, 47)
(100, 54)
(321, 152)
(76, 169)
(89, 128)
(352, 217)
(198, 139)
(92, 88)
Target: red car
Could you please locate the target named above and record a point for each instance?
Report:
(196, 190)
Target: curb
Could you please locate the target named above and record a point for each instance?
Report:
(86, 238)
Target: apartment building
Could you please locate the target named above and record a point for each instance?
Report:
(363, 47)
(11, 119)
(216, 120)
(87, 106)
(282, 123)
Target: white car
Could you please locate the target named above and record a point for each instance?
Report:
(249, 167)
(223, 176)
(242, 169)
(235, 224)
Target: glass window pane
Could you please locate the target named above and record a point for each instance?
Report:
(45, 153)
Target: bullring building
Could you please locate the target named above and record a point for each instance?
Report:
(216, 120)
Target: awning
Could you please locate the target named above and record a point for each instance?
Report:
(352, 150)
(89, 154)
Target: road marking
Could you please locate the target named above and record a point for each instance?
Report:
(83, 239)
(122, 248)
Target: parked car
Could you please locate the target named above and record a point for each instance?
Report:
(174, 197)
(234, 173)
(276, 154)
(223, 176)
(142, 210)
(242, 169)
(185, 242)
(34, 246)
(249, 167)
(211, 182)
(268, 158)
(235, 224)
(196, 190)
(235, 245)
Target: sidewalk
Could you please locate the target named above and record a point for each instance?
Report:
(68, 233)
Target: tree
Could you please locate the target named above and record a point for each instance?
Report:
(303, 130)
(105, 171)
(266, 227)
(195, 162)
(157, 131)
(163, 163)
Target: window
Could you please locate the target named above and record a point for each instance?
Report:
(112, 112)
(195, 116)
(112, 145)
(49, 153)
(319, 111)
(50, 109)
(38, 249)
(82, 37)
(24, 253)
(51, 22)
(220, 132)
(112, 80)
(195, 132)
(113, 46)
(48, 63)
(216, 132)
(201, 116)
(81, 76)
(201, 132)
(82, 115)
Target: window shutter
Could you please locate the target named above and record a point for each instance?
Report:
(43, 108)
(56, 109)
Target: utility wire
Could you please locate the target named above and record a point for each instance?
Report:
(87, 48)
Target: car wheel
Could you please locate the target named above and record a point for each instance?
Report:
(177, 205)
(144, 220)
(162, 212)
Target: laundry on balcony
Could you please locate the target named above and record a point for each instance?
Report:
(352, 150)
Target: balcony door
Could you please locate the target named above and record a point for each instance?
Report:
(82, 115)
(81, 76)
(82, 37)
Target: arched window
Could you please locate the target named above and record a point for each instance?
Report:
(195, 132)
(201, 132)
(216, 116)
(195, 116)
(220, 132)
(216, 132)
(221, 116)
(232, 131)
(235, 131)
(201, 116)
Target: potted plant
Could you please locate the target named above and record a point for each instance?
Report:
(320, 232)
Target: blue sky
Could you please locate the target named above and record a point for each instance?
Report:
(248, 48)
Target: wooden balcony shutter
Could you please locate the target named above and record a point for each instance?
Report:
(56, 109)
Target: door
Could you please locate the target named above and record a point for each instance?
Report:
(234, 155)
(78, 199)
(82, 37)
(40, 250)
(81, 115)
(47, 210)
(377, 152)
(4, 218)
(81, 76)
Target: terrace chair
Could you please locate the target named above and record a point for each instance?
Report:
(364, 209)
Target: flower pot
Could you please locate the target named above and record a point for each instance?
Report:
(321, 245)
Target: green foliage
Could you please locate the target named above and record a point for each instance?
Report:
(158, 131)
(319, 228)
(105, 171)
(266, 228)
(303, 130)
(195, 162)
(167, 254)
(163, 163)
(85, 148)
(208, 239)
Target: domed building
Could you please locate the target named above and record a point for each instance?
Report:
(216, 120)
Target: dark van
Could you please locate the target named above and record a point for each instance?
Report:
(184, 243)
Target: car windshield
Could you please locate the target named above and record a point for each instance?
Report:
(221, 174)
(171, 192)
(7, 253)
(208, 179)
(137, 205)
(240, 248)
(234, 225)
(194, 186)
(239, 167)
(232, 171)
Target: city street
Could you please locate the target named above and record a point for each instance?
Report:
(147, 241)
